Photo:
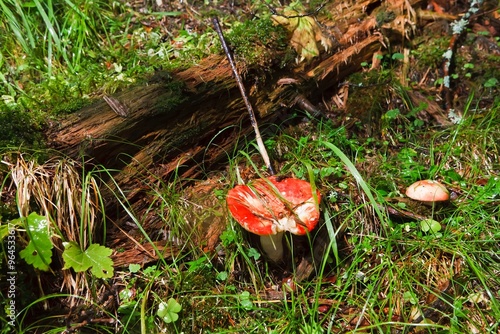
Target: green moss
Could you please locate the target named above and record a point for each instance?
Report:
(258, 40)
(20, 128)
(384, 16)
(70, 106)
(187, 136)
(173, 97)
(429, 52)
(368, 95)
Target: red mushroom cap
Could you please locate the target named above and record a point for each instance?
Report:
(269, 206)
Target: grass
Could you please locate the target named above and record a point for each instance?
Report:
(48, 58)
(385, 278)
(373, 271)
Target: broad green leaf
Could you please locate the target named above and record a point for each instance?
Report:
(150, 271)
(410, 297)
(492, 188)
(96, 257)
(392, 114)
(222, 276)
(39, 250)
(169, 311)
(398, 56)
(9, 228)
(491, 82)
(4, 231)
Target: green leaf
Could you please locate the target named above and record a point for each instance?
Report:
(39, 250)
(133, 267)
(150, 271)
(6, 229)
(427, 225)
(492, 188)
(245, 301)
(410, 297)
(491, 82)
(169, 311)
(222, 276)
(95, 257)
(228, 237)
(252, 252)
(398, 56)
(392, 114)
(197, 264)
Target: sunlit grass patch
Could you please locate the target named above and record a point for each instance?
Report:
(405, 276)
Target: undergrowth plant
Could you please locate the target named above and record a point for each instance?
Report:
(48, 58)
(60, 225)
(375, 271)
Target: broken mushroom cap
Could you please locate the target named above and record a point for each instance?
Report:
(269, 207)
(428, 191)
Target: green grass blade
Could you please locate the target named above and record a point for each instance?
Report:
(359, 179)
(16, 27)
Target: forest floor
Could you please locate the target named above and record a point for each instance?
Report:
(378, 261)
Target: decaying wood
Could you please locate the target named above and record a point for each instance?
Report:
(159, 135)
(144, 254)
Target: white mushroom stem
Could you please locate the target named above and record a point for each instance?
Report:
(273, 246)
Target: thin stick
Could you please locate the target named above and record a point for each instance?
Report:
(258, 138)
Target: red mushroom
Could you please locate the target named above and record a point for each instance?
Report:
(269, 207)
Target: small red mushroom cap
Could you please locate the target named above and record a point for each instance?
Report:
(269, 206)
(428, 191)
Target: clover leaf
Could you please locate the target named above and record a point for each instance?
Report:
(427, 225)
(169, 311)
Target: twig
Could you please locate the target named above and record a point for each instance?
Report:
(253, 120)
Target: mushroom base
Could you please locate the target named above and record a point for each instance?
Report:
(272, 245)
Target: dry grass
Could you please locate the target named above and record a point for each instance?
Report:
(69, 198)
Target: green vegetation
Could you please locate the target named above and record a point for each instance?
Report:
(382, 263)
(379, 271)
(20, 128)
(250, 37)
